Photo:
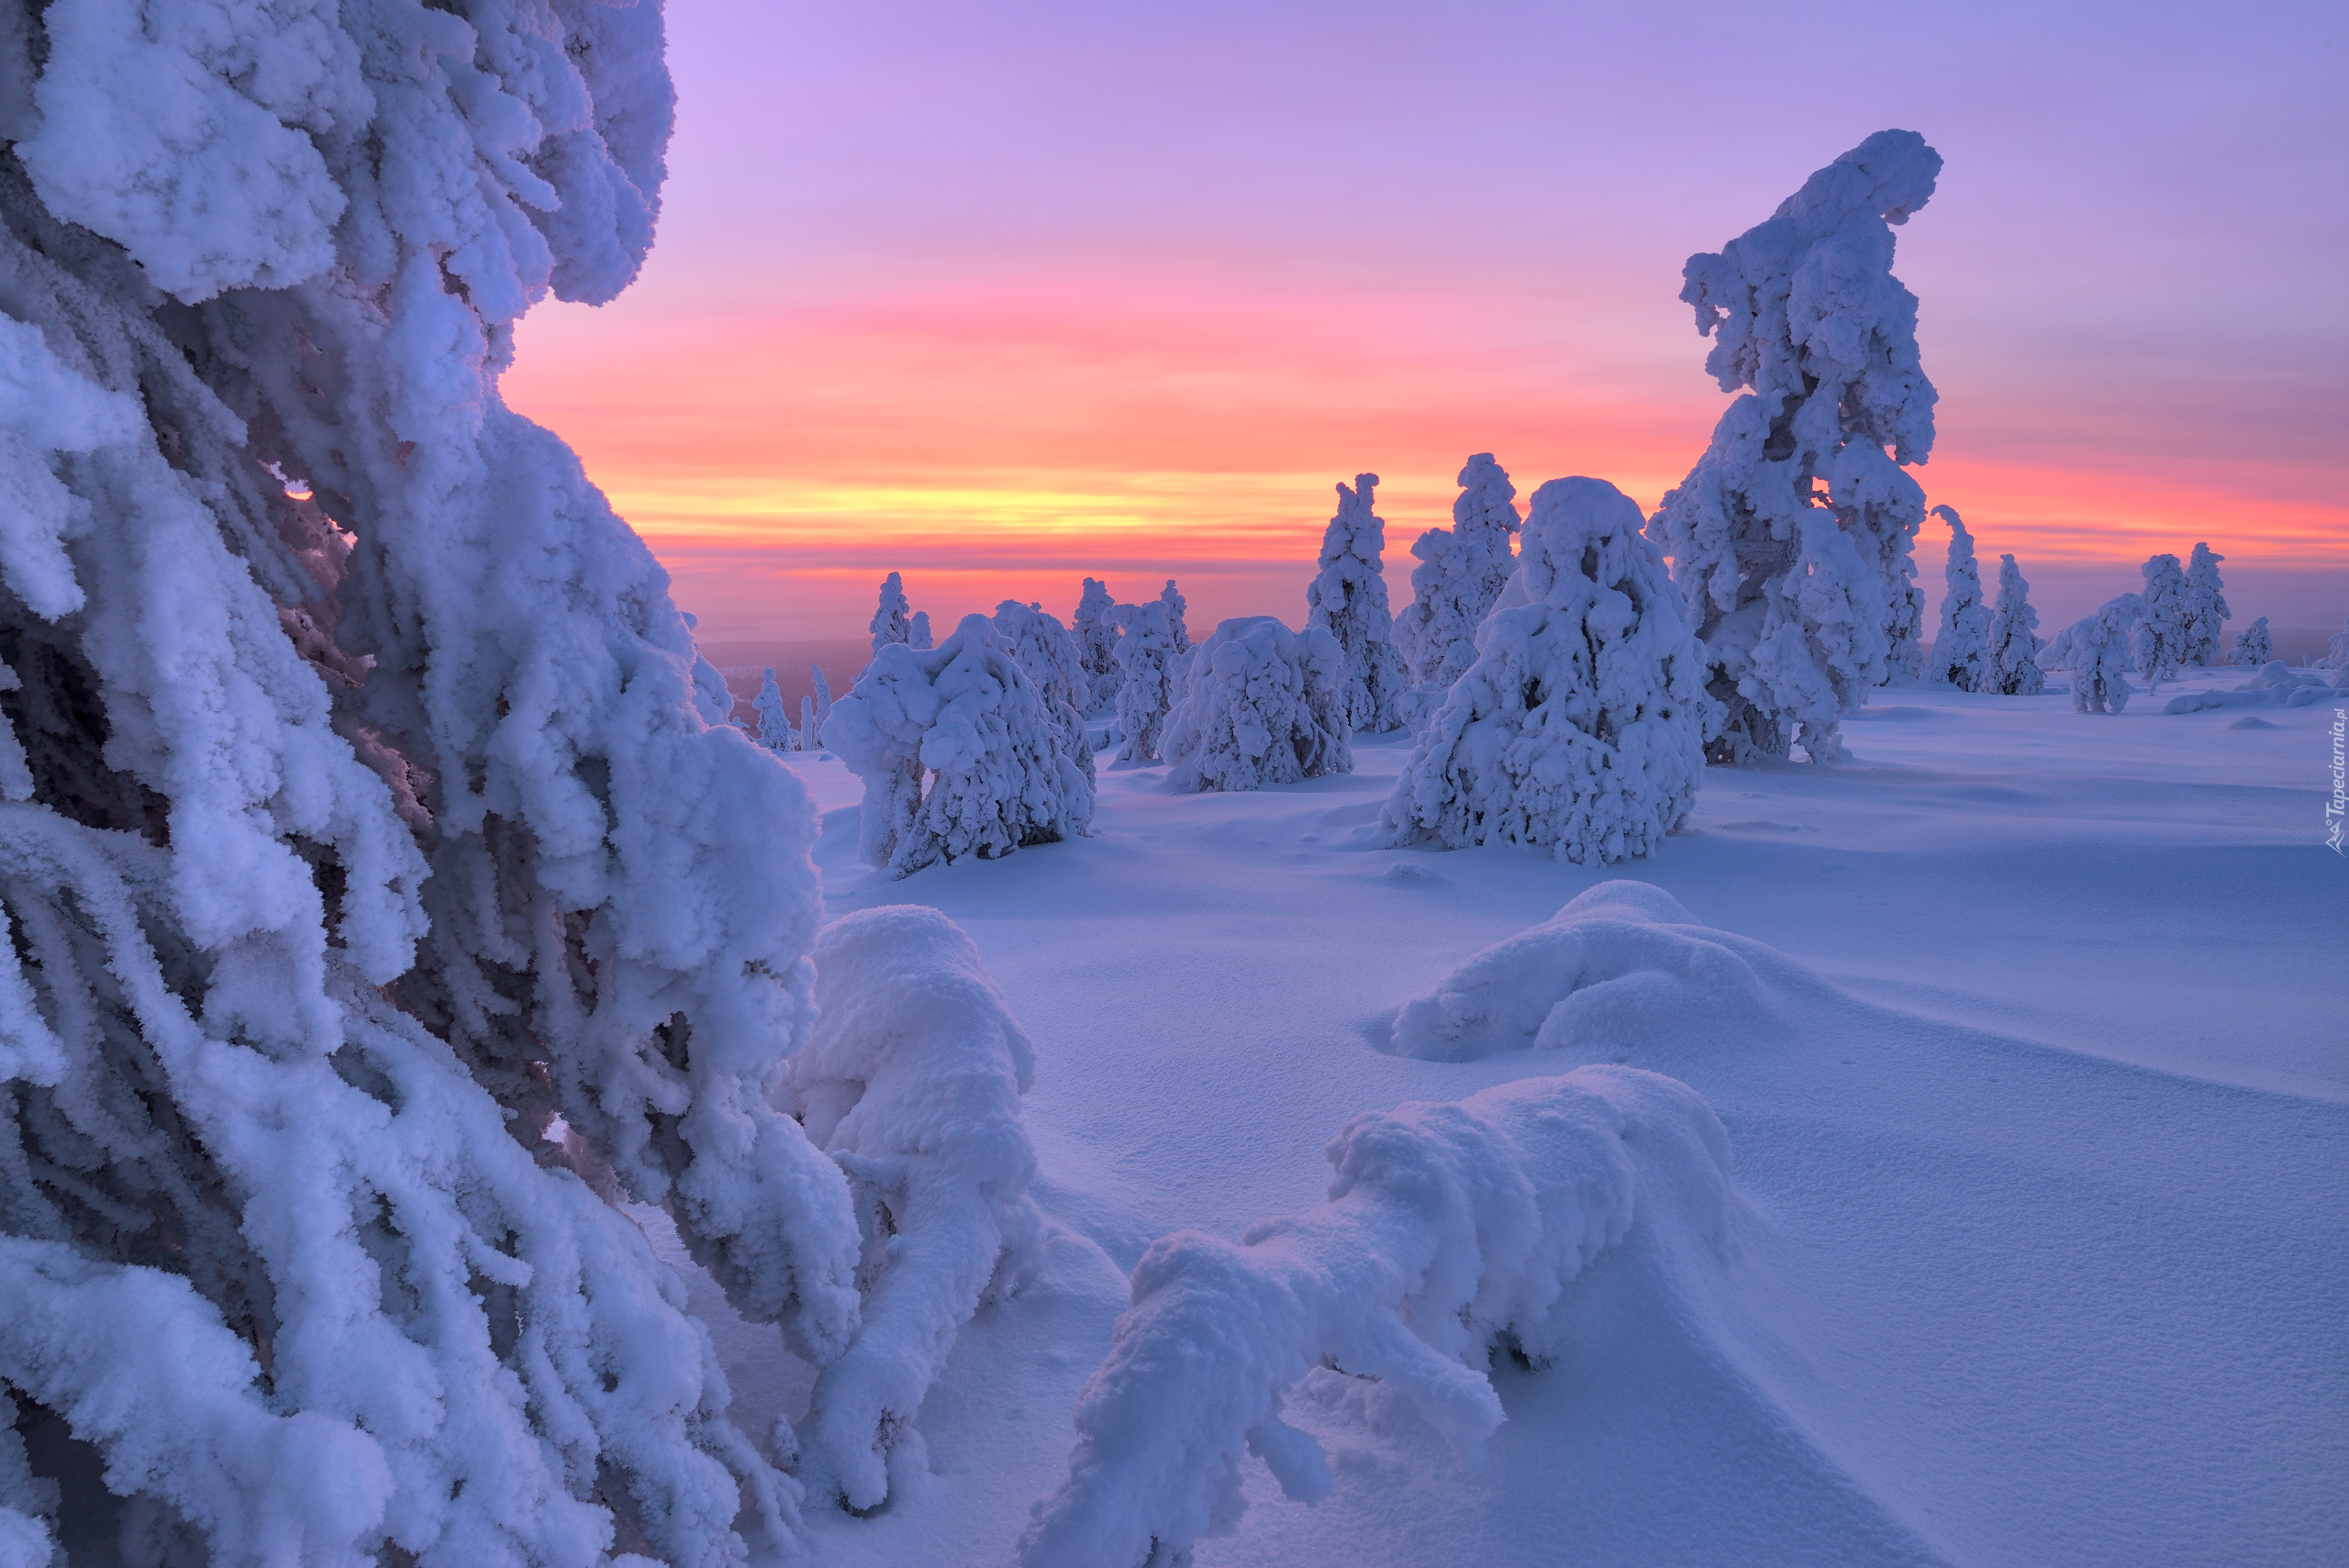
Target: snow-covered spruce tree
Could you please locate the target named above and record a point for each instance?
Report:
(1461, 571)
(804, 738)
(1347, 599)
(1257, 704)
(2095, 650)
(1804, 601)
(348, 842)
(890, 623)
(2160, 637)
(1960, 654)
(1048, 653)
(1581, 725)
(774, 721)
(1146, 658)
(823, 695)
(1175, 605)
(917, 635)
(2013, 639)
(2206, 609)
(2253, 646)
(1096, 642)
(959, 754)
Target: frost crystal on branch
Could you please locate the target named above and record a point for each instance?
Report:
(1258, 704)
(1348, 600)
(1962, 648)
(2014, 639)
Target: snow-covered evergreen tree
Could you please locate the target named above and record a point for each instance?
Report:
(1257, 704)
(2159, 639)
(1175, 605)
(774, 723)
(712, 699)
(2014, 639)
(805, 740)
(1461, 571)
(1049, 654)
(1581, 725)
(2095, 650)
(1146, 657)
(917, 635)
(959, 753)
(1348, 599)
(890, 623)
(2205, 609)
(1804, 602)
(1962, 648)
(2337, 649)
(1096, 643)
(823, 695)
(2253, 646)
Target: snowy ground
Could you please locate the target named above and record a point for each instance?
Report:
(2041, 1258)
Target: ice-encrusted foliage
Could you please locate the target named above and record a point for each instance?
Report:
(1147, 654)
(911, 1080)
(348, 841)
(2095, 650)
(1096, 643)
(890, 623)
(2253, 646)
(1962, 647)
(1581, 725)
(1257, 704)
(917, 633)
(1176, 606)
(2013, 639)
(774, 721)
(1448, 1227)
(1461, 571)
(1049, 654)
(2207, 613)
(2159, 639)
(1347, 598)
(959, 753)
(1805, 600)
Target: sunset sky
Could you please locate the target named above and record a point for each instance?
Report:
(1001, 296)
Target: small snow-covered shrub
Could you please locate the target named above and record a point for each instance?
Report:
(1581, 725)
(911, 1080)
(1461, 572)
(2159, 637)
(2206, 614)
(805, 739)
(959, 753)
(1049, 654)
(1449, 1226)
(774, 725)
(1962, 648)
(2277, 684)
(1347, 598)
(889, 622)
(2014, 639)
(1258, 704)
(2095, 649)
(2253, 646)
(917, 635)
(1096, 643)
(823, 695)
(1803, 601)
(1146, 657)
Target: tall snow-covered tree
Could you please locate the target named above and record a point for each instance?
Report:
(1461, 571)
(2159, 637)
(810, 729)
(959, 753)
(1049, 654)
(1581, 725)
(1792, 538)
(774, 723)
(2253, 646)
(1175, 605)
(1146, 657)
(1256, 704)
(2205, 609)
(2013, 639)
(918, 636)
(2095, 650)
(823, 695)
(890, 623)
(1347, 598)
(1096, 642)
(1961, 653)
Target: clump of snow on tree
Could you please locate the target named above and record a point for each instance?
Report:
(1448, 1227)
(890, 623)
(1257, 704)
(2206, 612)
(1805, 600)
(2253, 646)
(1056, 669)
(1096, 643)
(1461, 571)
(959, 753)
(1175, 605)
(911, 1080)
(774, 724)
(2095, 650)
(1147, 656)
(1347, 598)
(1961, 653)
(2159, 639)
(1581, 725)
(2013, 639)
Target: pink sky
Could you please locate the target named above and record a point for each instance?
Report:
(999, 299)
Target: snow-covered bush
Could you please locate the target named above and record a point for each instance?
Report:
(1146, 658)
(1257, 704)
(959, 753)
(1055, 667)
(1961, 655)
(1348, 599)
(2253, 646)
(1581, 725)
(2013, 639)
(2207, 613)
(2277, 684)
(1176, 606)
(918, 636)
(2095, 650)
(805, 740)
(1461, 571)
(1804, 602)
(1096, 643)
(911, 1080)
(2159, 639)
(774, 723)
(353, 844)
(1450, 1226)
(890, 623)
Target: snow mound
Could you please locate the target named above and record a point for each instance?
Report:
(1450, 1227)
(1620, 963)
(2277, 684)
(1258, 704)
(912, 1081)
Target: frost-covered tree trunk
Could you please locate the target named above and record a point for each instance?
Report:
(1348, 599)
(1962, 648)
(1461, 571)
(890, 623)
(2159, 639)
(1049, 654)
(2013, 639)
(1257, 704)
(1581, 725)
(1096, 642)
(2206, 609)
(1176, 606)
(959, 754)
(1805, 600)
(774, 724)
(1146, 659)
(2253, 646)
(2095, 650)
